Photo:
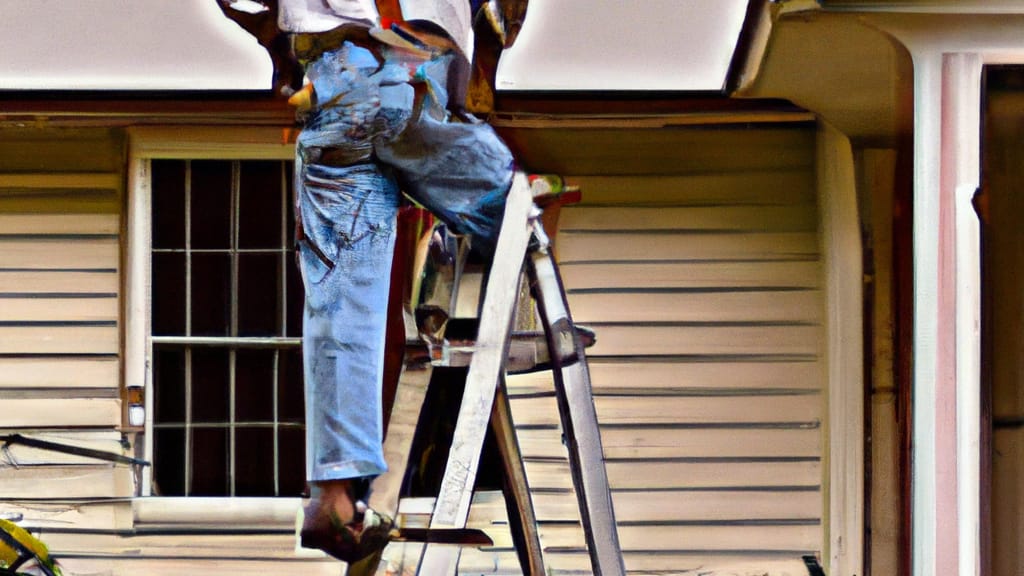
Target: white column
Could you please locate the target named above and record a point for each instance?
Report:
(927, 128)
(961, 153)
(946, 393)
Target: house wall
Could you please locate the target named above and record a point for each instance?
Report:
(60, 224)
(695, 257)
(863, 85)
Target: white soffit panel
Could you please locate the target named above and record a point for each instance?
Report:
(672, 45)
(127, 45)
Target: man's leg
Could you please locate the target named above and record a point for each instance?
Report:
(347, 209)
(460, 171)
(348, 220)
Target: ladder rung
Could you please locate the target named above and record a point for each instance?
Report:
(528, 351)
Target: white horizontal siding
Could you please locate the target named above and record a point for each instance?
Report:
(654, 376)
(65, 282)
(791, 409)
(56, 373)
(704, 292)
(667, 443)
(691, 275)
(59, 338)
(58, 253)
(81, 481)
(787, 218)
(60, 324)
(595, 246)
(703, 306)
(662, 468)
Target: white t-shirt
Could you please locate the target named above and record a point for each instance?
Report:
(323, 15)
(453, 16)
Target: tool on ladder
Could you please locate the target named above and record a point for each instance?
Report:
(522, 245)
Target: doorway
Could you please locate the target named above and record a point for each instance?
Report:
(1000, 205)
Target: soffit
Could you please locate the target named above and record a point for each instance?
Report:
(842, 68)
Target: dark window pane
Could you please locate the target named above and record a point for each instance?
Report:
(254, 462)
(168, 203)
(210, 462)
(259, 288)
(211, 294)
(260, 205)
(168, 293)
(169, 468)
(269, 301)
(209, 385)
(169, 385)
(290, 204)
(254, 385)
(291, 461)
(290, 404)
(295, 296)
(211, 204)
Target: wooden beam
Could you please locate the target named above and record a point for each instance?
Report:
(69, 181)
(627, 121)
(249, 143)
(771, 187)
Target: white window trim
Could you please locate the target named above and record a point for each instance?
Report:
(144, 145)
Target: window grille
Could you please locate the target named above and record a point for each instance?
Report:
(226, 330)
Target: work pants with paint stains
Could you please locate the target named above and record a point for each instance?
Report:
(371, 135)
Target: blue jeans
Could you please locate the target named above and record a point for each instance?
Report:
(371, 137)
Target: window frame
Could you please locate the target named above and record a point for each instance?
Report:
(146, 144)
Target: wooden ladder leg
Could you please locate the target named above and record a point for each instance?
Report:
(521, 516)
(486, 367)
(576, 409)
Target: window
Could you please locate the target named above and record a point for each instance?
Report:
(225, 324)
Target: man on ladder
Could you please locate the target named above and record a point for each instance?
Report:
(384, 111)
(378, 109)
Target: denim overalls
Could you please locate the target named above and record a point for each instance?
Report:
(368, 138)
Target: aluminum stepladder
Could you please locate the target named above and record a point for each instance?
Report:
(522, 246)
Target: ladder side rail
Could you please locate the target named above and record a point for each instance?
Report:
(496, 315)
(577, 412)
(521, 514)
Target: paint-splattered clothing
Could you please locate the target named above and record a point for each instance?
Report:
(367, 139)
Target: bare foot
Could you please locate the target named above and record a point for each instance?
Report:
(330, 522)
(336, 499)
(337, 524)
